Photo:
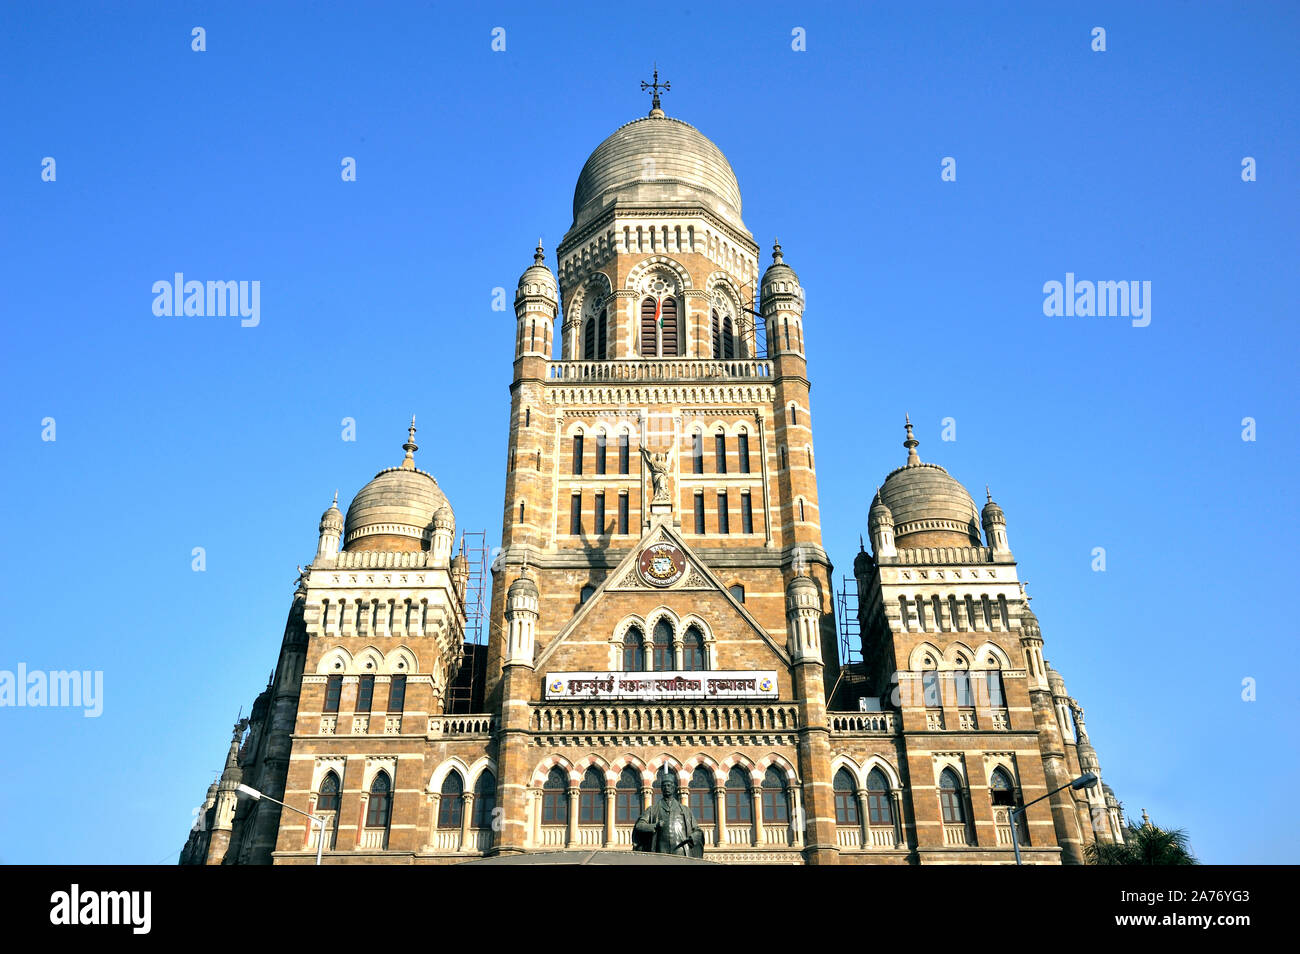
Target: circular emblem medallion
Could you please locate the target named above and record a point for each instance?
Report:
(661, 564)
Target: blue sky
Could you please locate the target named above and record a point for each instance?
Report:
(924, 297)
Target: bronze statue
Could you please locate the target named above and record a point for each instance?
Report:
(668, 827)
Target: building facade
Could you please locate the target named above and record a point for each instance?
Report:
(662, 602)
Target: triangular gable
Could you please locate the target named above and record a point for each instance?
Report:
(626, 577)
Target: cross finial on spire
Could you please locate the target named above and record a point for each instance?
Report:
(911, 443)
(410, 446)
(655, 87)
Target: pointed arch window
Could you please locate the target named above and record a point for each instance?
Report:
(485, 800)
(633, 651)
(740, 804)
(846, 798)
(776, 803)
(555, 798)
(663, 646)
(452, 802)
(950, 798)
(328, 799)
(602, 322)
(880, 806)
(591, 798)
(693, 650)
(728, 339)
(589, 339)
(961, 688)
(717, 336)
(701, 798)
(627, 797)
(380, 806)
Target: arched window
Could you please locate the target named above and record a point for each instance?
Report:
(846, 799)
(904, 616)
(668, 328)
(521, 511)
(600, 452)
(693, 650)
(920, 612)
(938, 614)
(649, 328)
(961, 687)
(555, 798)
(379, 810)
(663, 646)
(988, 612)
(633, 651)
(328, 799)
(993, 684)
(452, 801)
(970, 613)
(697, 452)
(622, 453)
(485, 799)
(880, 807)
(589, 339)
(602, 322)
(776, 806)
(930, 688)
(717, 336)
(627, 797)
(1002, 612)
(738, 591)
(740, 805)
(528, 416)
(591, 798)
(953, 623)
(950, 798)
(801, 516)
(1001, 791)
(728, 339)
(702, 805)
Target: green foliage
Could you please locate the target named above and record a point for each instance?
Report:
(1144, 845)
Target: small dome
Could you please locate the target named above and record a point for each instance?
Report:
(1056, 682)
(396, 510)
(656, 162)
(780, 284)
(930, 507)
(880, 515)
(523, 586)
(332, 519)
(538, 281)
(992, 513)
(443, 518)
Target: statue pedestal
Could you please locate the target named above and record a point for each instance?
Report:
(661, 508)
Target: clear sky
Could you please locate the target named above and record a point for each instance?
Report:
(924, 296)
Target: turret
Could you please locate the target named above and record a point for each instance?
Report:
(995, 526)
(444, 528)
(331, 532)
(521, 621)
(880, 524)
(803, 621)
(537, 301)
(782, 307)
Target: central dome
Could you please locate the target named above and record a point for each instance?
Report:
(657, 162)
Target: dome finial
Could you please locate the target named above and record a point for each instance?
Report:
(988, 493)
(655, 87)
(336, 499)
(777, 257)
(539, 254)
(911, 443)
(410, 446)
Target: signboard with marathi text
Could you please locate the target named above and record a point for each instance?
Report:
(661, 686)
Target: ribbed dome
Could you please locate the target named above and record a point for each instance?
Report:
(929, 506)
(396, 510)
(657, 162)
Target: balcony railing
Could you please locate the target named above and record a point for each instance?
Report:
(660, 369)
(865, 723)
(461, 726)
(660, 717)
(374, 838)
(960, 555)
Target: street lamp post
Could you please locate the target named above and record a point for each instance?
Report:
(1087, 780)
(317, 820)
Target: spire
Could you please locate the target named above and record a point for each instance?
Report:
(988, 493)
(777, 257)
(911, 443)
(335, 504)
(655, 109)
(539, 258)
(1146, 819)
(408, 463)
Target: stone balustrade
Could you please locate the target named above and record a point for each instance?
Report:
(693, 370)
